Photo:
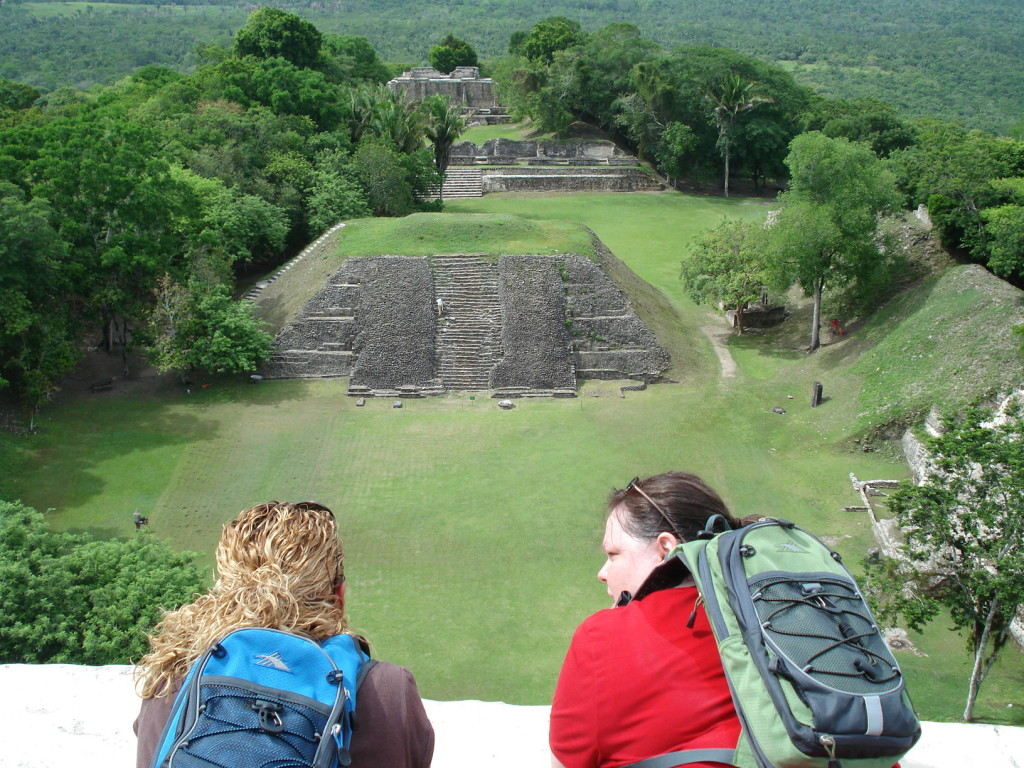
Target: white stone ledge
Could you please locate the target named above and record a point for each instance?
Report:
(56, 713)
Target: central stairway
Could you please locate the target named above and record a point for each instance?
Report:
(462, 182)
(468, 331)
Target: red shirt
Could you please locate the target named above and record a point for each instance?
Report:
(637, 683)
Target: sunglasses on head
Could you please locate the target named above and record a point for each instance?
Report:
(634, 485)
(312, 505)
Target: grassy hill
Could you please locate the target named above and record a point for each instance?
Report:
(947, 343)
(464, 523)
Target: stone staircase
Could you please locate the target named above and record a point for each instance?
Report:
(319, 343)
(468, 332)
(462, 182)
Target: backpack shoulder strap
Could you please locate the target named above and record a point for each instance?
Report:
(364, 671)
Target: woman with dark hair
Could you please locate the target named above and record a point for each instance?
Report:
(281, 566)
(640, 680)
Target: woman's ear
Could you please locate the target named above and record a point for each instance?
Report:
(666, 542)
(339, 595)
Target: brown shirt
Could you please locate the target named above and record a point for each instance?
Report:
(394, 731)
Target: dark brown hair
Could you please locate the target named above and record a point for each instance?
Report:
(682, 505)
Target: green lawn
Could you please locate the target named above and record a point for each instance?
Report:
(650, 231)
(463, 523)
(478, 134)
(473, 533)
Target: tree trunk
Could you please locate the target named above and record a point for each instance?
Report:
(979, 655)
(739, 318)
(816, 316)
(726, 168)
(124, 348)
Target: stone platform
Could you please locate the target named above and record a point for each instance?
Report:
(57, 713)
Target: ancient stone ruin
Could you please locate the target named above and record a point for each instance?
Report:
(513, 325)
(562, 165)
(463, 86)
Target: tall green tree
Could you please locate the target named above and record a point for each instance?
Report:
(115, 200)
(69, 599)
(687, 85)
(963, 538)
(199, 325)
(865, 119)
(272, 33)
(31, 259)
(950, 169)
(15, 96)
(590, 77)
(38, 319)
(549, 36)
(357, 59)
(452, 52)
(378, 167)
(826, 227)
(335, 195)
(727, 266)
(674, 147)
(1005, 227)
(729, 99)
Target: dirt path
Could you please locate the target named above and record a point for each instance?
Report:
(718, 337)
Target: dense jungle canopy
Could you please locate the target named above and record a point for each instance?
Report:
(956, 59)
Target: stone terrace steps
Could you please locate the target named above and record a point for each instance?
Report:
(468, 333)
(462, 182)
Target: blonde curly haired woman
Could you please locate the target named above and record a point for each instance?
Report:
(280, 566)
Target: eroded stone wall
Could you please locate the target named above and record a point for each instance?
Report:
(463, 86)
(609, 340)
(501, 150)
(394, 345)
(564, 180)
(535, 342)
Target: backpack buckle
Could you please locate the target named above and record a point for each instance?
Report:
(269, 715)
(708, 532)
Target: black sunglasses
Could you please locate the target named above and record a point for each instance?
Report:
(314, 505)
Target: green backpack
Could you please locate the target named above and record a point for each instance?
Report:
(812, 680)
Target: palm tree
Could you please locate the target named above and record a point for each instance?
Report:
(729, 100)
(377, 110)
(444, 124)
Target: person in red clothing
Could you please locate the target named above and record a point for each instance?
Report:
(639, 680)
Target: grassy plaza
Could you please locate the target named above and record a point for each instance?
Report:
(473, 534)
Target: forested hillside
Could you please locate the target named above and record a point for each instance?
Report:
(956, 59)
(127, 212)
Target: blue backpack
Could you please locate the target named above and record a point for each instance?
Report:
(263, 697)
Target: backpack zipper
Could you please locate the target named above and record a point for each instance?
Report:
(707, 591)
(693, 614)
(191, 717)
(331, 741)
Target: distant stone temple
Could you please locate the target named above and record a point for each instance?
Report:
(464, 86)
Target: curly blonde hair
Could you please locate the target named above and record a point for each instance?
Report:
(278, 567)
